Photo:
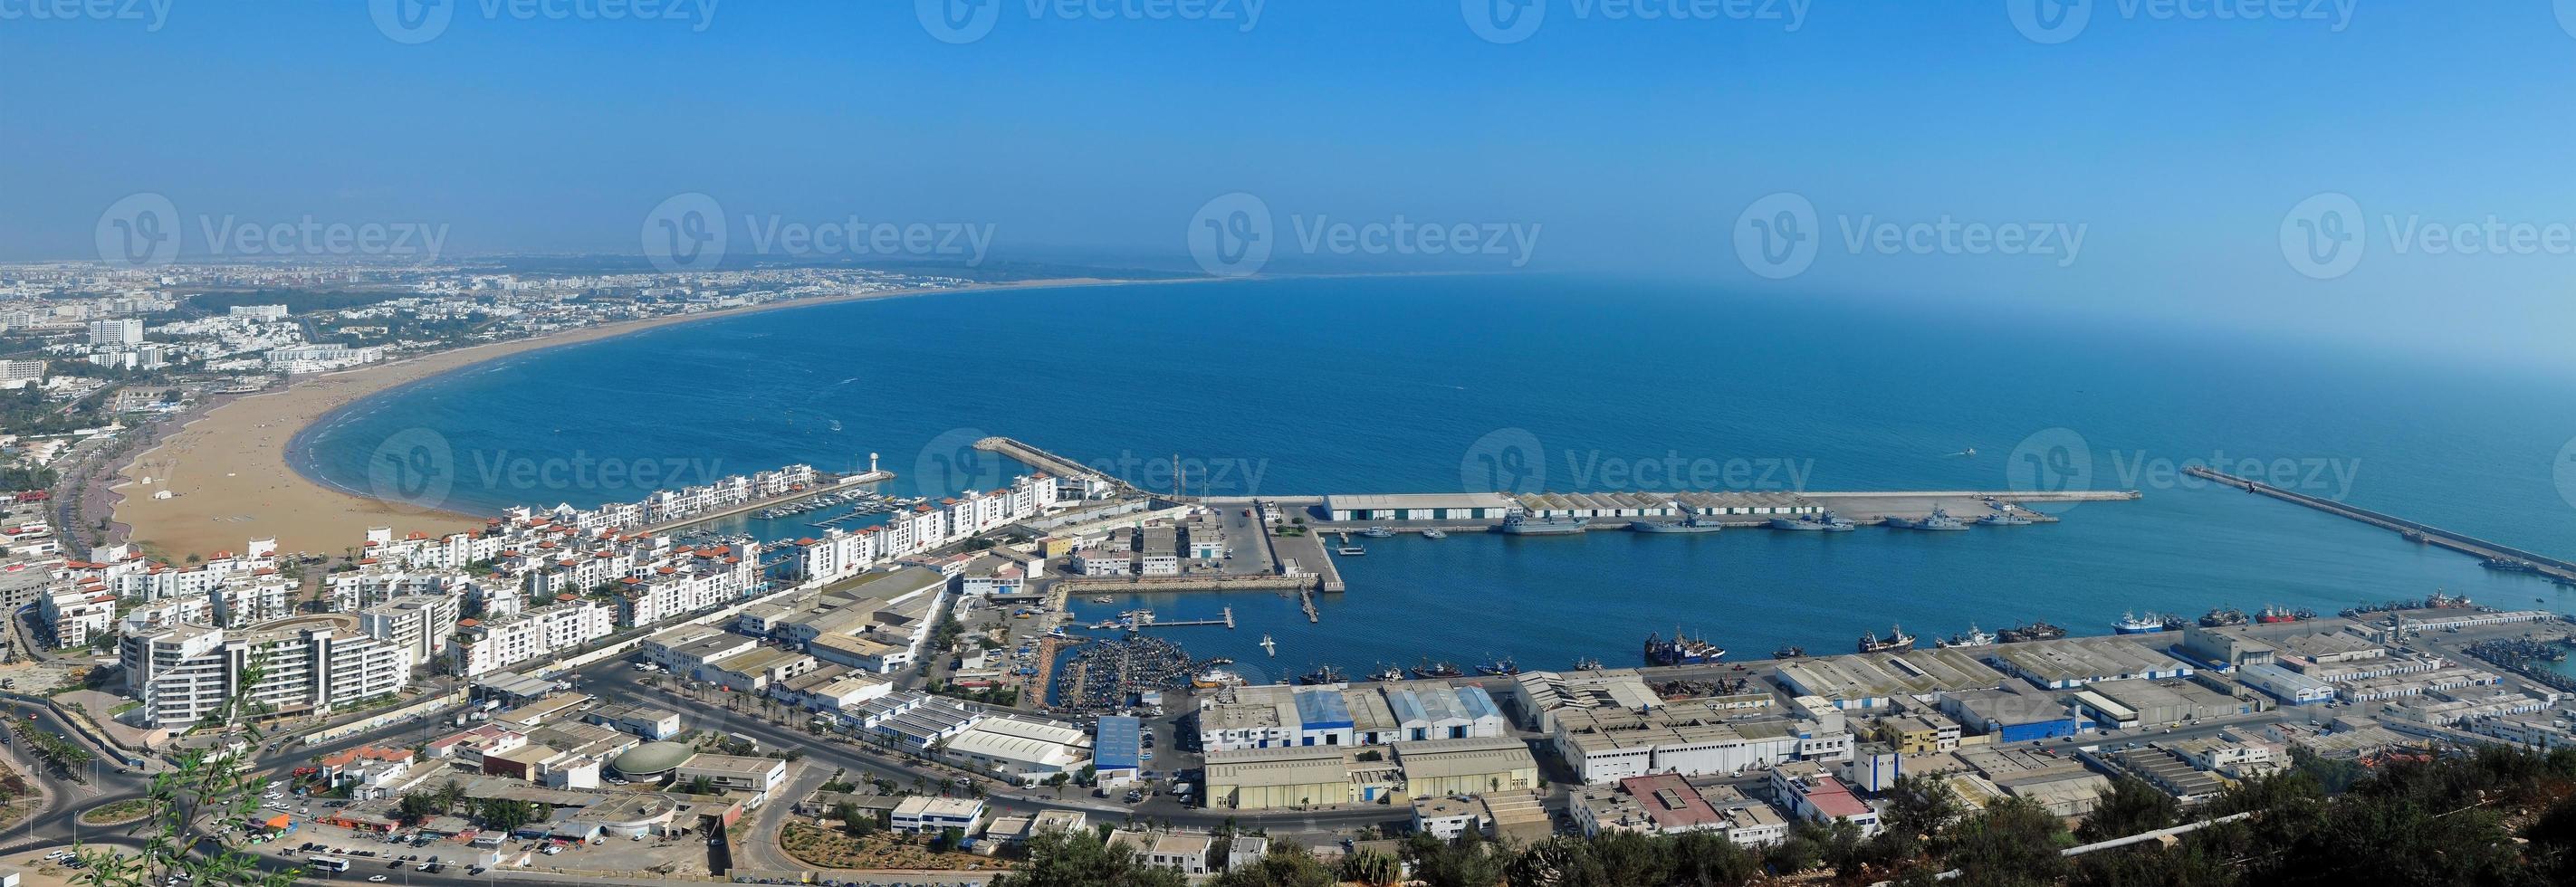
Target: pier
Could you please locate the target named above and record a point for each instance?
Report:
(1226, 620)
(1047, 462)
(2494, 553)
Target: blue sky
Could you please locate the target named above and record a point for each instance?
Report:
(2177, 143)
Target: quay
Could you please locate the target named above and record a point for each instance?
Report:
(2496, 555)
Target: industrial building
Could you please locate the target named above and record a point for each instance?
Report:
(1420, 506)
(1873, 680)
(2074, 662)
(2004, 716)
(1466, 766)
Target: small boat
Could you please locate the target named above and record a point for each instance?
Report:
(1974, 638)
(1377, 532)
(1323, 674)
(1350, 550)
(1691, 524)
(1104, 599)
(1587, 663)
(1221, 660)
(2131, 623)
(1827, 522)
(1896, 639)
(1789, 652)
(1214, 678)
(1499, 667)
(1434, 533)
(1430, 669)
(1269, 646)
(1520, 525)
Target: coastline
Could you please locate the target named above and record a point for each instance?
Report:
(232, 473)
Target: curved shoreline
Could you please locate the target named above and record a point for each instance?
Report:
(232, 479)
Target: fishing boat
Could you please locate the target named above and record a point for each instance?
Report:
(1681, 649)
(1587, 663)
(1323, 674)
(2222, 617)
(1216, 677)
(2274, 614)
(1521, 525)
(2033, 631)
(1499, 668)
(1974, 638)
(1789, 652)
(1377, 532)
(1387, 673)
(1896, 639)
(1430, 669)
(2131, 623)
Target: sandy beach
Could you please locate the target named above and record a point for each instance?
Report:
(228, 477)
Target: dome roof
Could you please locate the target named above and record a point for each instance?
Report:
(652, 758)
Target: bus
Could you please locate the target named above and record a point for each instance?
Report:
(328, 863)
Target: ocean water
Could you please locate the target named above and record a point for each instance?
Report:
(1425, 384)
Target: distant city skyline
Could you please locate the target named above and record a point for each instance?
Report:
(2371, 174)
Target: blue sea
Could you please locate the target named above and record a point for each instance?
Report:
(1431, 384)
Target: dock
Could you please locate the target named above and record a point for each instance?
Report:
(1048, 462)
(1226, 620)
(2497, 555)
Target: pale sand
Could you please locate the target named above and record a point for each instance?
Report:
(230, 483)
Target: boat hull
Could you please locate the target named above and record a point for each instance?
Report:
(1653, 527)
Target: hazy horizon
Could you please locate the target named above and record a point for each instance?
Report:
(2368, 174)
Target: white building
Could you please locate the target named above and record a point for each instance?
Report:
(493, 644)
(183, 675)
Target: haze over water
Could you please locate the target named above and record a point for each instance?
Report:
(1309, 386)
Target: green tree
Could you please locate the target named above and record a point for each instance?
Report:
(2130, 806)
(1468, 862)
(200, 809)
(1283, 864)
(2011, 843)
(1083, 859)
(1371, 868)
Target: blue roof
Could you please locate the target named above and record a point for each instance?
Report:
(1408, 708)
(1117, 745)
(1323, 709)
(1479, 704)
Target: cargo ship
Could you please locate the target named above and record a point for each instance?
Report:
(1682, 649)
(1897, 639)
(1691, 524)
(1521, 525)
(2132, 623)
(1827, 522)
(2035, 631)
